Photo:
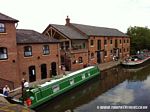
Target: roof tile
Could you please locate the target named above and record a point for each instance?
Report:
(4, 17)
(98, 31)
(31, 37)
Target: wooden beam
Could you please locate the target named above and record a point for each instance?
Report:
(54, 34)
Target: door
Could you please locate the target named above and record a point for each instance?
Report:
(43, 71)
(53, 69)
(32, 74)
(98, 57)
(98, 44)
(116, 43)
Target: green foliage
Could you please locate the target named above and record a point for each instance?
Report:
(140, 38)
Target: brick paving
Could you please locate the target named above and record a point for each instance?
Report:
(105, 66)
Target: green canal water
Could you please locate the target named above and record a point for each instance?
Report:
(115, 87)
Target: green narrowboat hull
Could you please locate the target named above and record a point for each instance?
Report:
(49, 90)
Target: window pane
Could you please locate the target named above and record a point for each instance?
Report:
(45, 49)
(2, 27)
(80, 60)
(105, 42)
(28, 51)
(3, 53)
(92, 42)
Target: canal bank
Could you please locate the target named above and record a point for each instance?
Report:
(117, 87)
(108, 65)
(104, 66)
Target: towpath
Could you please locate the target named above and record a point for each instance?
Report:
(103, 66)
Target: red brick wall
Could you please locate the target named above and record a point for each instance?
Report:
(108, 47)
(77, 65)
(37, 59)
(9, 67)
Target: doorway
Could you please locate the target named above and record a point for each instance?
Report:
(53, 69)
(43, 71)
(32, 74)
(98, 57)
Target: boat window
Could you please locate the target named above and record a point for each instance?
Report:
(55, 88)
(71, 81)
(83, 76)
(88, 73)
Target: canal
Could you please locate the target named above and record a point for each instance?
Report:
(115, 87)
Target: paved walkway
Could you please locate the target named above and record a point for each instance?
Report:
(105, 66)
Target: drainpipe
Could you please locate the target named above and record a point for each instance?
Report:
(59, 63)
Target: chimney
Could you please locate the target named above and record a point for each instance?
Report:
(67, 21)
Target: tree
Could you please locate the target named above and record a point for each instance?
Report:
(140, 38)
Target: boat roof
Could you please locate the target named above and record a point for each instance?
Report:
(71, 74)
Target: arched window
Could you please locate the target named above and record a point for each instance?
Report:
(27, 51)
(80, 60)
(3, 53)
(2, 27)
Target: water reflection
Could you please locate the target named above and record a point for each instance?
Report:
(117, 86)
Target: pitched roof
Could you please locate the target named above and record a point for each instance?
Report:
(4, 17)
(98, 31)
(31, 37)
(68, 31)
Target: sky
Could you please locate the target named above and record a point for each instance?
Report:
(38, 14)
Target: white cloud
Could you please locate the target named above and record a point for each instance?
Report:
(119, 95)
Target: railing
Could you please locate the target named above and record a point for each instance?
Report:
(4, 82)
(79, 50)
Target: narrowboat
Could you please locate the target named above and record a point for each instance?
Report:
(45, 92)
(136, 60)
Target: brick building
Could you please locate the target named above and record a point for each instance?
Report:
(85, 44)
(25, 54)
(38, 56)
(34, 56)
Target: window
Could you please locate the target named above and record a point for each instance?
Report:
(124, 50)
(105, 42)
(67, 45)
(111, 41)
(92, 43)
(83, 46)
(3, 53)
(92, 55)
(99, 45)
(124, 41)
(55, 88)
(111, 51)
(2, 27)
(120, 50)
(27, 51)
(80, 60)
(127, 40)
(45, 49)
(127, 49)
(120, 41)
